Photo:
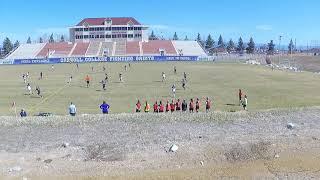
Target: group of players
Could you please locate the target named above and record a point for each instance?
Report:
(174, 106)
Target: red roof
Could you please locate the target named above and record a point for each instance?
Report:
(115, 21)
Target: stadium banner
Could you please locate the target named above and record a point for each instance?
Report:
(104, 59)
(6, 61)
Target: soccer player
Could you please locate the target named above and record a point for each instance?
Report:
(41, 75)
(147, 107)
(197, 105)
(106, 77)
(161, 107)
(24, 78)
(173, 89)
(184, 83)
(52, 67)
(155, 107)
(23, 113)
(70, 79)
(104, 108)
(245, 102)
(87, 79)
(208, 105)
(38, 91)
(191, 106)
(167, 106)
(72, 109)
(184, 106)
(138, 106)
(104, 82)
(104, 68)
(240, 97)
(174, 69)
(120, 77)
(163, 76)
(172, 106)
(178, 105)
(185, 75)
(29, 89)
(125, 68)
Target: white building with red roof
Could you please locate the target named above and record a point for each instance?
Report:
(108, 30)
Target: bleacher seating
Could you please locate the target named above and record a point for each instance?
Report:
(100, 49)
(93, 49)
(80, 49)
(154, 48)
(133, 48)
(26, 51)
(188, 48)
(60, 49)
(106, 49)
(120, 48)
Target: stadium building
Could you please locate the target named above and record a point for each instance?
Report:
(108, 37)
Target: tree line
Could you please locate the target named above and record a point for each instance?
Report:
(230, 46)
(8, 46)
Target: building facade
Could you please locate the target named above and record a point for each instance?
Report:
(108, 30)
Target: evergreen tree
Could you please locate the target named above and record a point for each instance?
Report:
(271, 46)
(175, 36)
(62, 38)
(152, 36)
(51, 39)
(29, 41)
(40, 40)
(240, 47)
(221, 43)
(16, 44)
(7, 46)
(251, 46)
(210, 45)
(230, 46)
(186, 38)
(199, 40)
(291, 47)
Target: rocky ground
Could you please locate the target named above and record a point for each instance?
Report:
(269, 144)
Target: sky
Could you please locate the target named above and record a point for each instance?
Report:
(262, 20)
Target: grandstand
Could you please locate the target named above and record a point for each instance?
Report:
(109, 37)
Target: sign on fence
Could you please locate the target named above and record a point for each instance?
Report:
(99, 59)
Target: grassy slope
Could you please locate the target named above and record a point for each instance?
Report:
(265, 88)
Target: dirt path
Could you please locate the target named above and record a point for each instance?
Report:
(135, 146)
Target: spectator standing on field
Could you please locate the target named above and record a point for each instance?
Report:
(161, 107)
(72, 109)
(155, 107)
(191, 106)
(197, 105)
(104, 108)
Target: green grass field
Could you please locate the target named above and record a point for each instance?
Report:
(265, 88)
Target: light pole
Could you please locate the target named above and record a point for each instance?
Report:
(279, 48)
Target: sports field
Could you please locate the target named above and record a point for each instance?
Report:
(266, 89)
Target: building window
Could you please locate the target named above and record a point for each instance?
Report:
(85, 37)
(108, 36)
(97, 36)
(81, 37)
(130, 28)
(118, 35)
(124, 35)
(114, 36)
(130, 35)
(86, 29)
(108, 28)
(137, 35)
(102, 36)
